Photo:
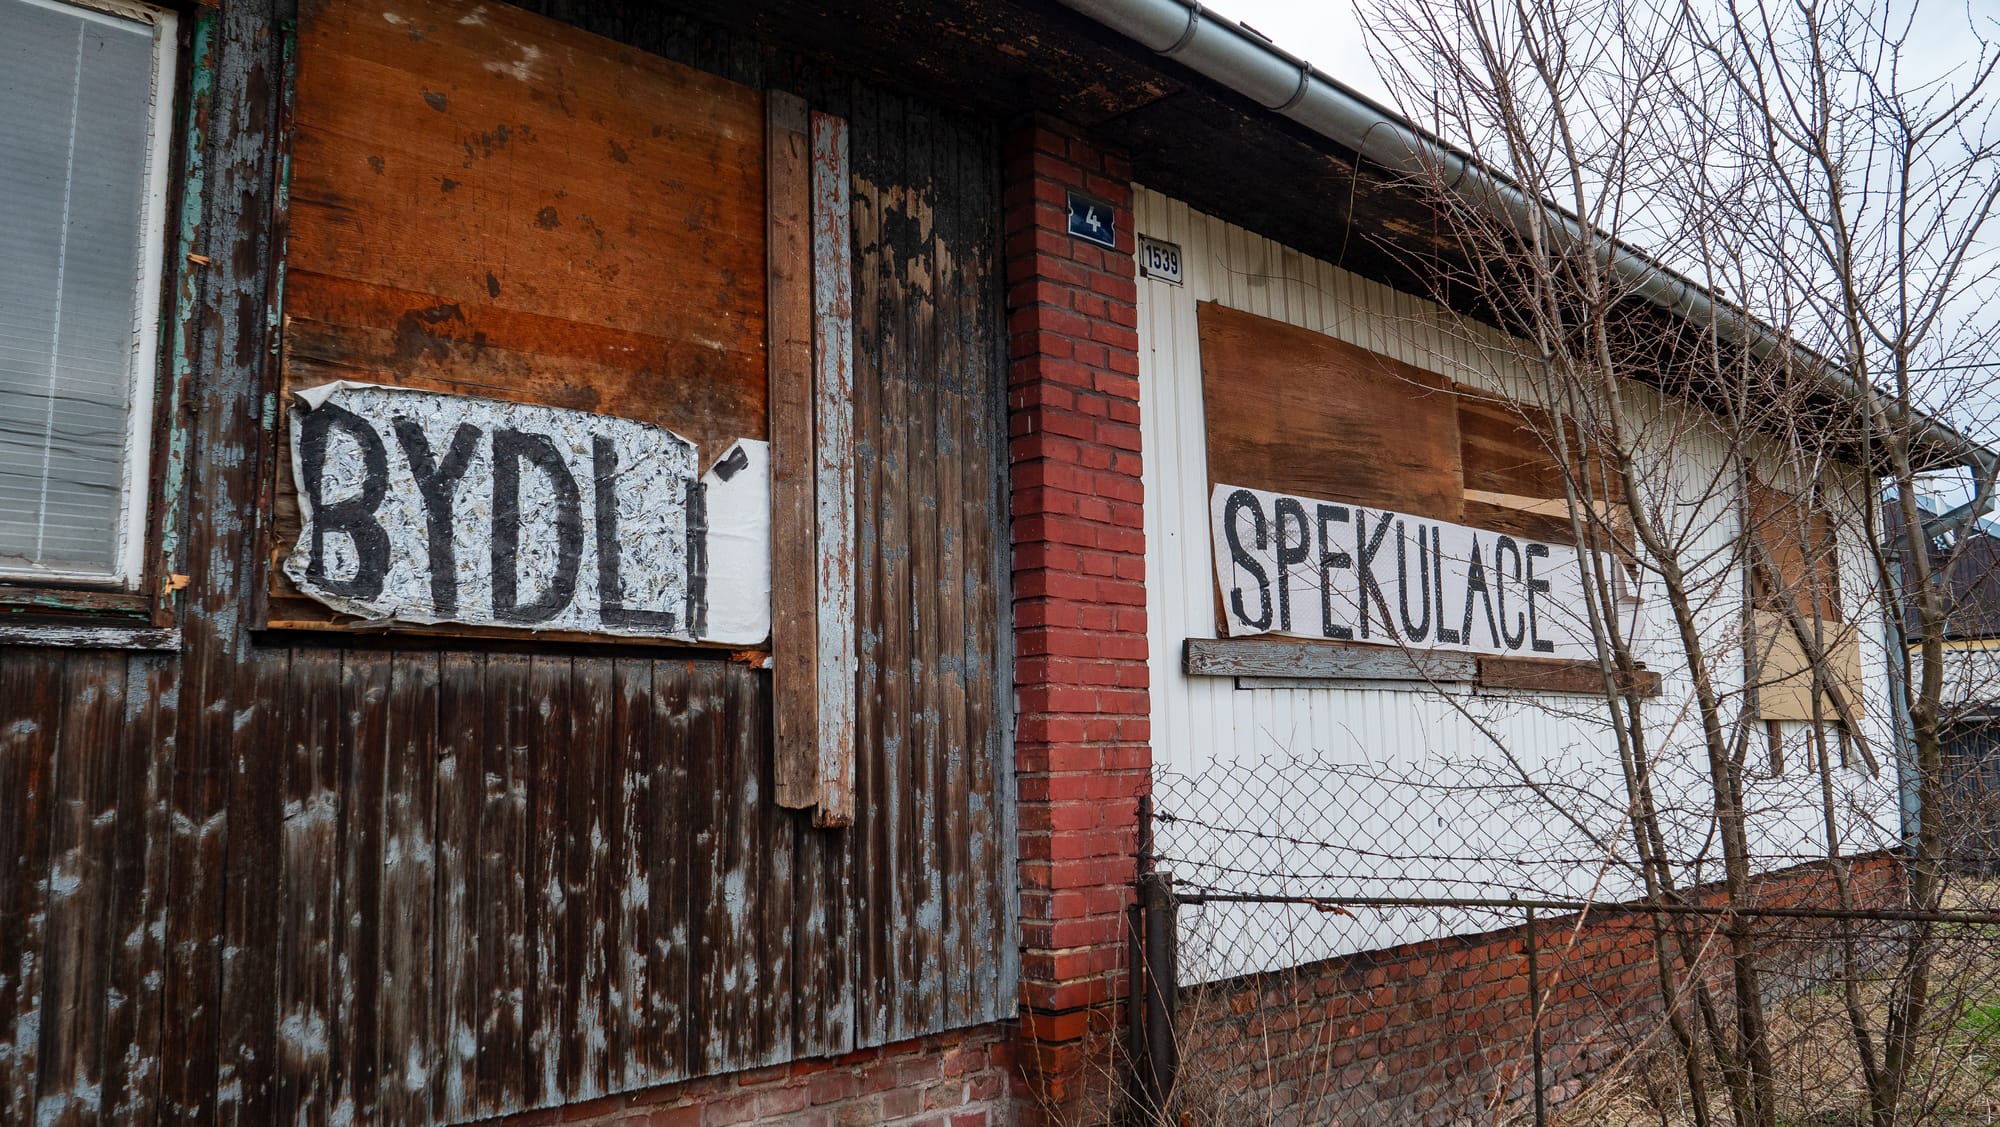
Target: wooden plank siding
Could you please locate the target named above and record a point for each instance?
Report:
(309, 877)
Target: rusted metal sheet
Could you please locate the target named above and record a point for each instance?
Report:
(833, 447)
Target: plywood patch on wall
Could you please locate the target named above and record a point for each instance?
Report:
(1295, 411)
(487, 202)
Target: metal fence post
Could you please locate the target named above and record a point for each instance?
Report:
(1160, 977)
(1535, 1019)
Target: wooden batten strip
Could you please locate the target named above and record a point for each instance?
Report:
(1545, 676)
(794, 600)
(833, 399)
(1266, 657)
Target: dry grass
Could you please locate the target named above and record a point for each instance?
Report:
(1819, 1083)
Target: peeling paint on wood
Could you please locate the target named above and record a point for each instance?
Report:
(794, 625)
(833, 447)
(310, 879)
(91, 637)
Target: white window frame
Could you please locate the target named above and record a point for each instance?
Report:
(129, 556)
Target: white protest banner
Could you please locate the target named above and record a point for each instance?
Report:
(423, 507)
(1313, 568)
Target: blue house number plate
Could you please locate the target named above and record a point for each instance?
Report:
(1092, 219)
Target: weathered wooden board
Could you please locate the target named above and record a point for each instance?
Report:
(31, 688)
(927, 421)
(1797, 535)
(1259, 657)
(1556, 676)
(1513, 483)
(79, 843)
(1294, 411)
(794, 575)
(487, 202)
(833, 466)
(406, 1037)
(425, 880)
(144, 900)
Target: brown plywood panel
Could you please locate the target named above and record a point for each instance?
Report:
(1782, 668)
(1796, 535)
(502, 163)
(1513, 483)
(486, 202)
(1294, 411)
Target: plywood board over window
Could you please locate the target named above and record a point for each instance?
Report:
(1797, 622)
(485, 203)
(1295, 412)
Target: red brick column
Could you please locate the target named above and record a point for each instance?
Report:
(1081, 740)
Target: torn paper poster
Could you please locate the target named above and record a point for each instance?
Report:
(423, 507)
(1334, 570)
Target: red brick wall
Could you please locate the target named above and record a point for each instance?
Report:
(959, 1079)
(1440, 1031)
(1081, 740)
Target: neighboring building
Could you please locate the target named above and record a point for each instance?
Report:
(638, 561)
(1967, 567)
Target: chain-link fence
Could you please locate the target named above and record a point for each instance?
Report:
(1436, 942)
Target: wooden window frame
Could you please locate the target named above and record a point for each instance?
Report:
(135, 608)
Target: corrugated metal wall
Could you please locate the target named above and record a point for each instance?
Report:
(1391, 792)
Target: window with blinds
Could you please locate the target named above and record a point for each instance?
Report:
(85, 115)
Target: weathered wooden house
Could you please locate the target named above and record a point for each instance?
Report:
(630, 557)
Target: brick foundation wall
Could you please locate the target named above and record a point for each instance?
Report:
(960, 1079)
(1439, 1032)
(1082, 755)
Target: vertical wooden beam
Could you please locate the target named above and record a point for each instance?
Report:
(833, 408)
(794, 620)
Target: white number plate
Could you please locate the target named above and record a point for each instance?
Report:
(1161, 261)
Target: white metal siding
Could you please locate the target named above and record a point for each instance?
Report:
(1412, 793)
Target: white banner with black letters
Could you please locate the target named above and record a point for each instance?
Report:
(1313, 568)
(423, 507)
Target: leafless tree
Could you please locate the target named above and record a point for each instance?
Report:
(1738, 252)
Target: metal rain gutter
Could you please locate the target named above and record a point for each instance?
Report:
(1219, 49)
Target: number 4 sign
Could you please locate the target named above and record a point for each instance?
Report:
(1092, 219)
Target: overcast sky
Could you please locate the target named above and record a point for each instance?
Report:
(1327, 34)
